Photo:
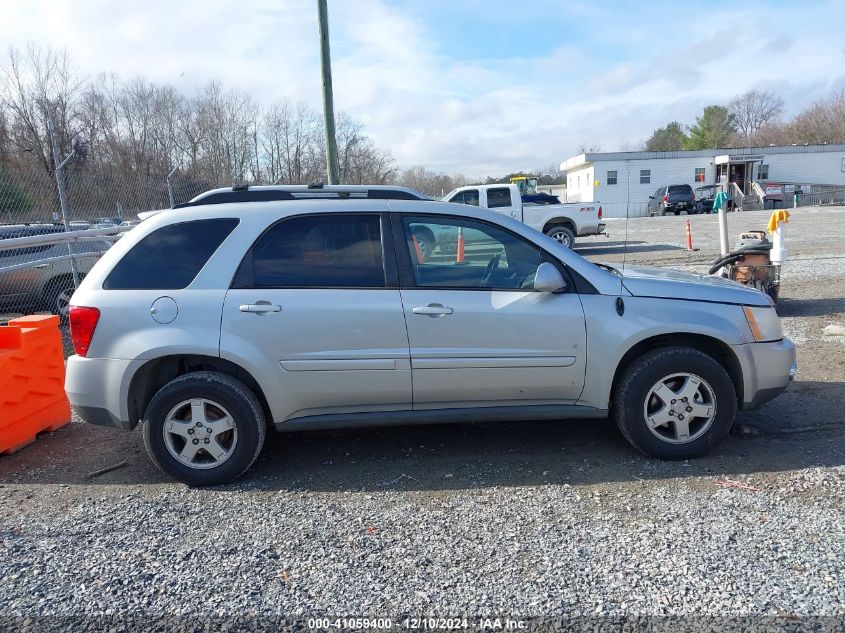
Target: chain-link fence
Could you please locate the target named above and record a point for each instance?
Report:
(41, 276)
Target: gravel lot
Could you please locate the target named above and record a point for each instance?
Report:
(519, 520)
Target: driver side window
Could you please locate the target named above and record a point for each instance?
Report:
(460, 253)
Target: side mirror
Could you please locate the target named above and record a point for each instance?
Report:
(548, 278)
(651, 197)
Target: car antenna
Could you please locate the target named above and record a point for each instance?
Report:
(627, 216)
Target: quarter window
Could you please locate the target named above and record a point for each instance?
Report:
(470, 255)
(498, 197)
(171, 257)
(645, 176)
(699, 174)
(316, 251)
(611, 177)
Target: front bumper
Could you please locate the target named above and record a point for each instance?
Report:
(98, 389)
(767, 369)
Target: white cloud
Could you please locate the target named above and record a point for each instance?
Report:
(478, 116)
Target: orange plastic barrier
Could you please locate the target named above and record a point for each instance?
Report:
(32, 376)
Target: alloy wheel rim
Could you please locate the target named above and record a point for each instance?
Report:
(561, 237)
(200, 433)
(680, 408)
(63, 301)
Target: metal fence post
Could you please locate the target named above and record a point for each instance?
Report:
(170, 187)
(60, 187)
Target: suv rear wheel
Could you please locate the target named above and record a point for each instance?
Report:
(675, 403)
(204, 428)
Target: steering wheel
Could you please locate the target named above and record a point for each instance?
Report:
(491, 267)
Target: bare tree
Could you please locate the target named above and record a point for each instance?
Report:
(430, 182)
(130, 135)
(754, 109)
(585, 148)
(34, 84)
(823, 122)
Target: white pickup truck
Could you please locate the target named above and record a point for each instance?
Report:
(562, 222)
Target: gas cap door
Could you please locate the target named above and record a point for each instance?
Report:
(164, 310)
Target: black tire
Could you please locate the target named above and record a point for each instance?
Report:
(241, 404)
(677, 213)
(561, 234)
(56, 296)
(629, 400)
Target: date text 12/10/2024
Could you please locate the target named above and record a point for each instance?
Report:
(417, 623)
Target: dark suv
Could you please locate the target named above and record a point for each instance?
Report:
(672, 199)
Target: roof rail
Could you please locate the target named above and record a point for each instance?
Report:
(316, 190)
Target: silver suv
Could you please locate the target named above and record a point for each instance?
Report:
(317, 309)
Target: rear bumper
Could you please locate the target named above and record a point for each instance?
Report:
(98, 389)
(101, 417)
(596, 229)
(767, 369)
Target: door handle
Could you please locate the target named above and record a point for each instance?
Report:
(261, 307)
(41, 266)
(433, 309)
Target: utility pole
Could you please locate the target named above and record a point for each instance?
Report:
(332, 170)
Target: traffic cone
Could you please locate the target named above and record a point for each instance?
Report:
(418, 250)
(689, 237)
(459, 253)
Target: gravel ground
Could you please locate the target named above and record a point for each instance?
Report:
(522, 520)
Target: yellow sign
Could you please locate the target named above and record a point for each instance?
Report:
(596, 183)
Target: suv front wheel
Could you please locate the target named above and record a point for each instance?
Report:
(675, 403)
(204, 428)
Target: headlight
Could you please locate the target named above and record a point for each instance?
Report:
(764, 323)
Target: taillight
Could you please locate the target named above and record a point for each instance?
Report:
(666, 197)
(600, 214)
(83, 322)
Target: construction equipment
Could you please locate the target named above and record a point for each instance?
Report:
(750, 264)
(527, 186)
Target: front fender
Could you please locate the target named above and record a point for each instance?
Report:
(610, 336)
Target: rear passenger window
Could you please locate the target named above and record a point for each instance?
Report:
(323, 251)
(498, 198)
(470, 196)
(169, 258)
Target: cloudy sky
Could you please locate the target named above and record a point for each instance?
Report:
(476, 86)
